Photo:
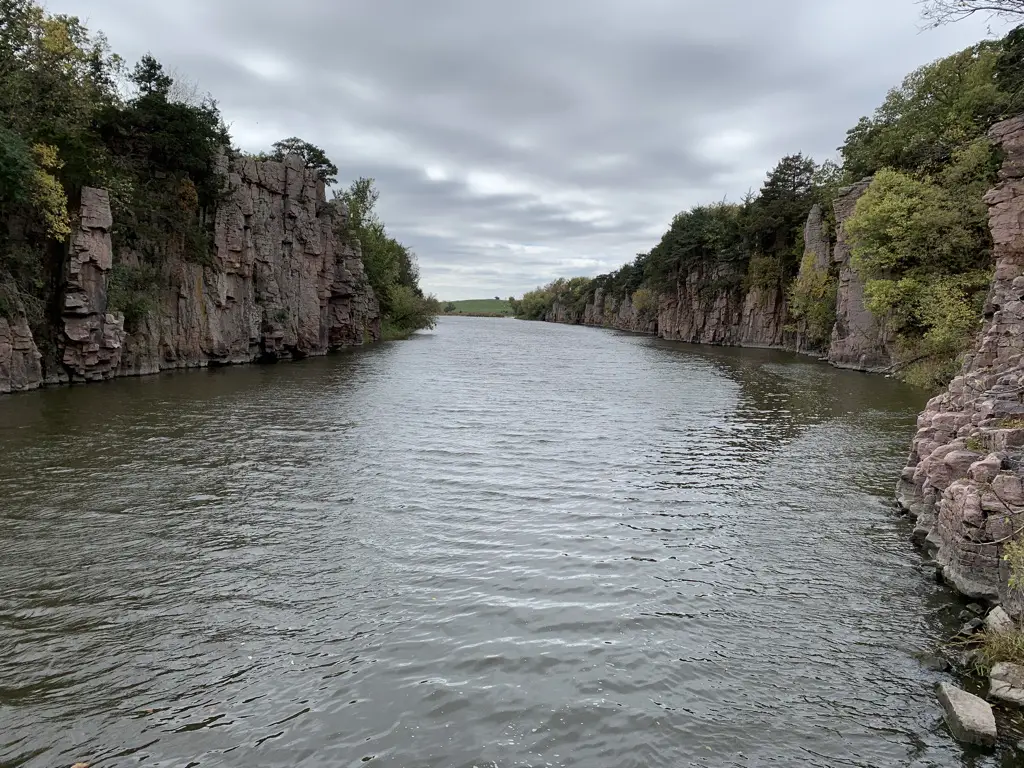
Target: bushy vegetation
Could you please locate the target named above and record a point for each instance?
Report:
(724, 247)
(919, 235)
(74, 114)
(391, 267)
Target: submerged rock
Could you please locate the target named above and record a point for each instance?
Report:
(969, 717)
(1006, 683)
(971, 627)
(934, 662)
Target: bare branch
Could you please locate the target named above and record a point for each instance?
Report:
(939, 12)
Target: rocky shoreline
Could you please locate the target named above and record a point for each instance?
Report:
(963, 482)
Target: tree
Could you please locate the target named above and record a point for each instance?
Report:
(939, 12)
(150, 78)
(390, 266)
(314, 158)
(937, 108)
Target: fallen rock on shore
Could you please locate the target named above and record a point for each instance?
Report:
(969, 717)
(1006, 683)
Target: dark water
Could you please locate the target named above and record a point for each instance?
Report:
(498, 544)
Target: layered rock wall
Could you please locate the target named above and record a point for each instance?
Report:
(859, 340)
(20, 367)
(712, 306)
(282, 284)
(963, 480)
(92, 337)
(699, 313)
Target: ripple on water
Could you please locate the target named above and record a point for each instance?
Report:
(498, 544)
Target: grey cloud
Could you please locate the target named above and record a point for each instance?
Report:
(516, 142)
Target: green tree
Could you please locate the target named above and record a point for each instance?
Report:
(314, 158)
(938, 108)
(391, 267)
(150, 78)
(925, 267)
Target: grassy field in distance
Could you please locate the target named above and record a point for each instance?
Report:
(486, 307)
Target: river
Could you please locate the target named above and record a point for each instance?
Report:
(496, 544)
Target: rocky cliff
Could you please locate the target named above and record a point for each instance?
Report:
(712, 305)
(281, 284)
(859, 340)
(700, 313)
(963, 480)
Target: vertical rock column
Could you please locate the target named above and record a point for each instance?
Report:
(858, 339)
(92, 337)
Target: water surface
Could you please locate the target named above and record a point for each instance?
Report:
(496, 544)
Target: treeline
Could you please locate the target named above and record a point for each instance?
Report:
(74, 114)
(919, 235)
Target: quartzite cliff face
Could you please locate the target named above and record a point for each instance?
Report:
(859, 340)
(712, 308)
(283, 285)
(963, 481)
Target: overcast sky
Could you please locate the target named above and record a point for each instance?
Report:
(518, 141)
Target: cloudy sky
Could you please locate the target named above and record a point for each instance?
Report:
(518, 141)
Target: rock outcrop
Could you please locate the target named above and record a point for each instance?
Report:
(20, 368)
(713, 309)
(712, 305)
(280, 284)
(92, 337)
(964, 480)
(969, 717)
(859, 340)
(620, 313)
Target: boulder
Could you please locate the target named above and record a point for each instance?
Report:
(1006, 683)
(998, 621)
(969, 717)
(971, 627)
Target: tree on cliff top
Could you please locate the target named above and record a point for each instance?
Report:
(939, 12)
(314, 157)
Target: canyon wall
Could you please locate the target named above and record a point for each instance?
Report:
(963, 480)
(859, 340)
(713, 307)
(281, 284)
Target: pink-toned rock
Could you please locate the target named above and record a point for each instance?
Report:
(92, 337)
(289, 282)
(20, 368)
(967, 512)
(985, 470)
(859, 340)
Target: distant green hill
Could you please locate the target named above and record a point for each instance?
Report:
(477, 307)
